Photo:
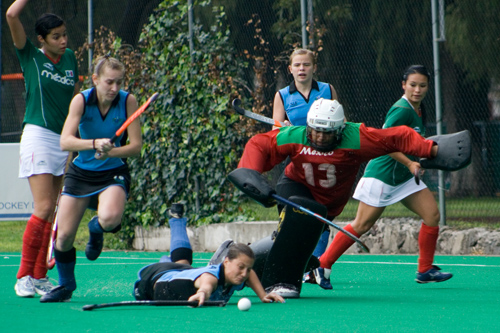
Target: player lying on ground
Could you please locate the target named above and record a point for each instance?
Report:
(176, 279)
(325, 159)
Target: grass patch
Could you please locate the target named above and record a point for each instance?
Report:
(11, 234)
(462, 213)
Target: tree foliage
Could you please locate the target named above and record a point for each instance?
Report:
(192, 140)
(472, 28)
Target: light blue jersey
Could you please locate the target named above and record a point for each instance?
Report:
(219, 294)
(94, 126)
(297, 105)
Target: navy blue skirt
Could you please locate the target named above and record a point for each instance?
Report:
(80, 183)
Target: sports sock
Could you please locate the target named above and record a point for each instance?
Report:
(322, 244)
(40, 271)
(94, 226)
(339, 245)
(65, 262)
(32, 241)
(181, 253)
(427, 240)
(178, 233)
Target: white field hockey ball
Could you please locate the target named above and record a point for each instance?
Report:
(244, 304)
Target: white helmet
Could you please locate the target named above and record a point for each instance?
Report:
(326, 116)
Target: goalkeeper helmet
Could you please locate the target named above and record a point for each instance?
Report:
(325, 123)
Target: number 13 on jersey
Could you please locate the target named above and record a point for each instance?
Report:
(328, 169)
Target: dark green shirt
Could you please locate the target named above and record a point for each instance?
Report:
(385, 168)
(49, 86)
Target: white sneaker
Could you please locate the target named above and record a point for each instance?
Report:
(24, 287)
(285, 290)
(43, 286)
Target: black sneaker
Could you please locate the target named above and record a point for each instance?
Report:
(58, 294)
(94, 246)
(177, 210)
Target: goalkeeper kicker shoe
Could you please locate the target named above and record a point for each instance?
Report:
(322, 277)
(285, 290)
(433, 275)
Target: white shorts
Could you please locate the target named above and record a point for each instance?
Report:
(40, 152)
(376, 193)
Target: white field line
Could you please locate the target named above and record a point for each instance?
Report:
(411, 263)
(146, 261)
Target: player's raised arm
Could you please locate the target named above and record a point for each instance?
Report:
(16, 27)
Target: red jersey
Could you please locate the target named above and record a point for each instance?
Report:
(330, 175)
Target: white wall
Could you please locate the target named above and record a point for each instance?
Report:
(16, 201)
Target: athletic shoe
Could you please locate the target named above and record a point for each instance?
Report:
(165, 259)
(308, 278)
(285, 290)
(24, 287)
(58, 294)
(433, 275)
(221, 252)
(322, 277)
(94, 246)
(177, 210)
(43, 286)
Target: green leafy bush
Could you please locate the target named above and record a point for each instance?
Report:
(192, 139)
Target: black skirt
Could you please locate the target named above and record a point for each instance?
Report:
(82, 183)
(146, 287)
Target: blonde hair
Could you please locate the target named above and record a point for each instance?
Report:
(303, 52)
(110, 62)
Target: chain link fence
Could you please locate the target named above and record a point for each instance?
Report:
(363, 48)
(125, 18)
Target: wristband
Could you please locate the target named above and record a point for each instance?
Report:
(93, 144)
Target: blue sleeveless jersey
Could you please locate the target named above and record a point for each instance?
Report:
(94, 126)
(219, 294)
(297, 105)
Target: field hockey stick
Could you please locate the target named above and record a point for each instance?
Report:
(258, 117)
(417, 176)
(51, 262)
(155, 303)
(322, 219)
(130, 119)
